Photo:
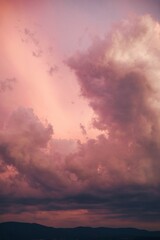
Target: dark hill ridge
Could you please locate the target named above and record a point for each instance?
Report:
(32, 231)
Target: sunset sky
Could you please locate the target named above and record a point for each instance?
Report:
(80, 112)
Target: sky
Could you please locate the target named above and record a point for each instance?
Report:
(80, 112)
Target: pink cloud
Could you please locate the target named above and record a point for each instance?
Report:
(119, 77)
(116, 174)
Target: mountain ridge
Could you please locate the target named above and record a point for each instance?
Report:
(34, 231)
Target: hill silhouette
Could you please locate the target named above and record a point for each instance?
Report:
(32, 231)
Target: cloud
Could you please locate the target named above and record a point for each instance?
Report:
(119, 75)
(116, 174)
(83, 130)
(32, 162)
(23, 146)
(7, 84)
(116, 74)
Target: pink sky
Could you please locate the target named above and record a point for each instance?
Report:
(79, 105)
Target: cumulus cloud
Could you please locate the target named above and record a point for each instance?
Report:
(119, 75)
(23, 146)
(116, 73)
(32, 163)
(117, 174)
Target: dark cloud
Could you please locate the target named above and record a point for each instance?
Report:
(23, 144)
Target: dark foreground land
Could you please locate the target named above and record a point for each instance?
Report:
(28, 231)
